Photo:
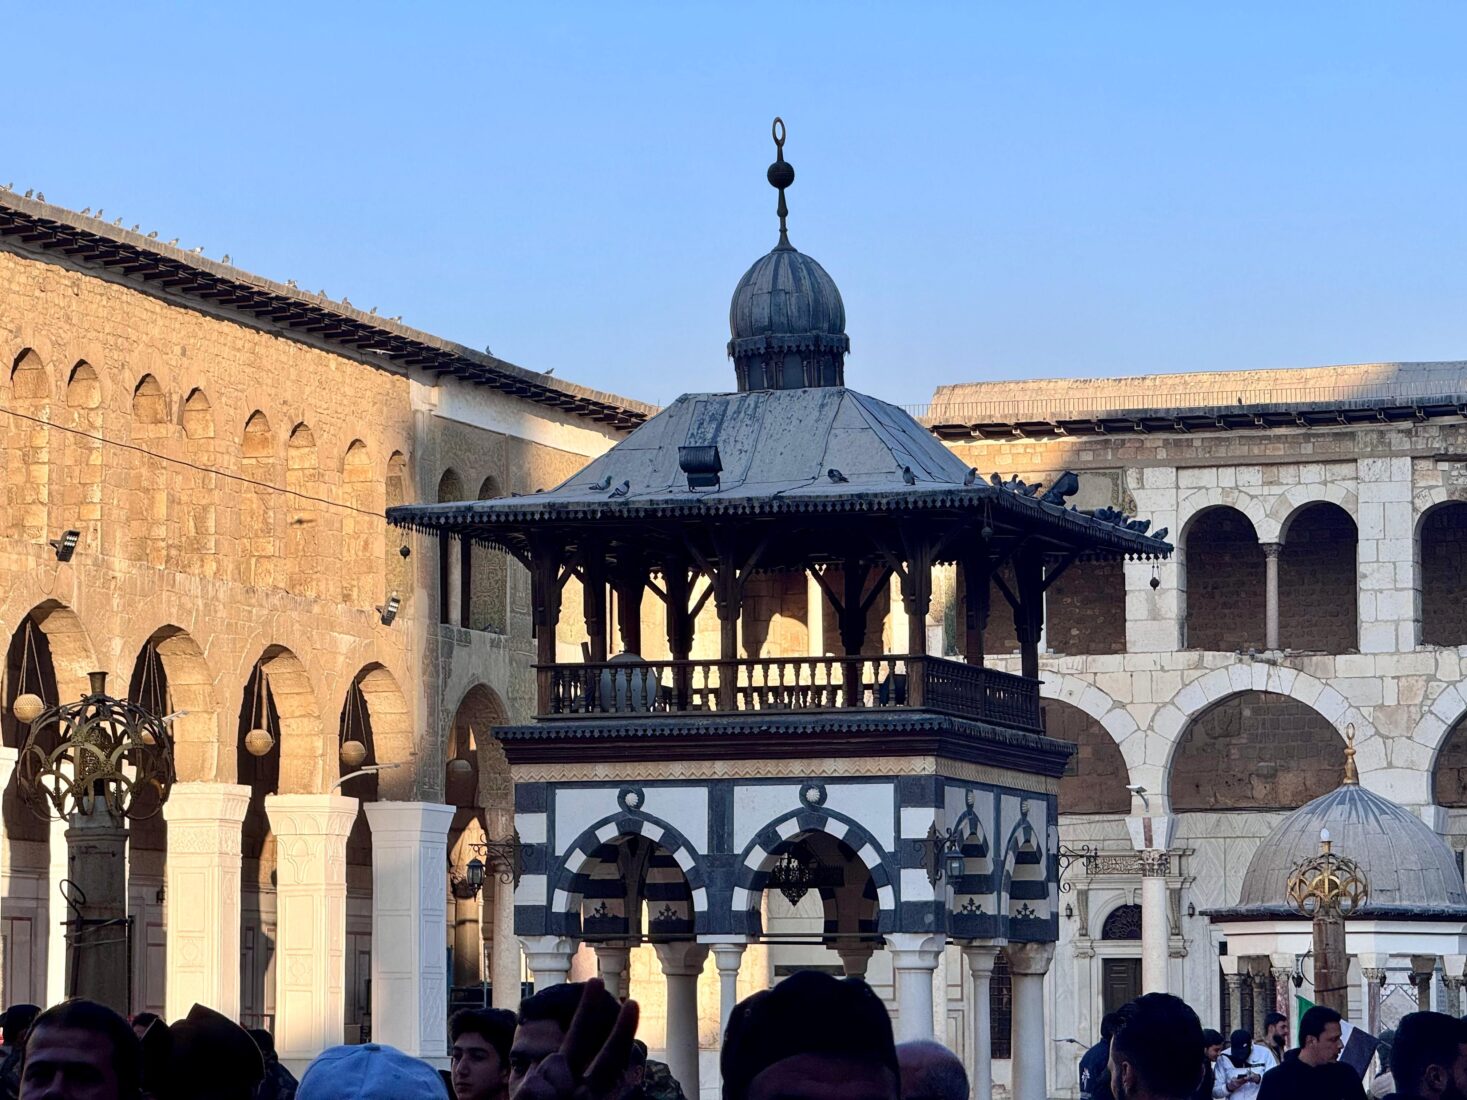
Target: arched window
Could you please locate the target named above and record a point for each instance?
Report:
(1225, 582)
(147, 512)
(78, 489)
(1256, 751)
(487, 573)
(396, 567)
(1443, 548)
(1122, 923)
(303, 527)
(198, 416)
(450, 573)
(1317, 585)
(199, 522)
(149, 406)
(258, 514)
(28, 449)
(1095, 779)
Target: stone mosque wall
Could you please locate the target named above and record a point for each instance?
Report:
(1225, 732)
(228, 481)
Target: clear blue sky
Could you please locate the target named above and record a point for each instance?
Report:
(1000, 192)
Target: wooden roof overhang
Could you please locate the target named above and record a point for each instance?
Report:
(791, 532)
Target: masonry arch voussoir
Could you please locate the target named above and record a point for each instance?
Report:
(1113, 717)
(1203, 500)
(1222, 684)
(1288, 505)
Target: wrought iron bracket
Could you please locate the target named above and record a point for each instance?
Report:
(1068, 857)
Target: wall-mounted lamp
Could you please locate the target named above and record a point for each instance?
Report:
(388, 611)
(65, 546)
(1069, 911)
(941, 854)
(405, 551)
(1191, 909)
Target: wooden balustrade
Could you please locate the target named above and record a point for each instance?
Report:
(788, 685)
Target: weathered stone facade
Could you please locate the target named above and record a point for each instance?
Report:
(1220, 729)
(228, 478)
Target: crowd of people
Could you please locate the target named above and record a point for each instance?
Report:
(810, 1037)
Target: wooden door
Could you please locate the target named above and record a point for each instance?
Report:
(1120, 982)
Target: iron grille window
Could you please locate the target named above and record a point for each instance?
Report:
(1123, 923)
(1000, 1007)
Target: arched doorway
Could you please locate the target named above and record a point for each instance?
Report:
(1120, 963)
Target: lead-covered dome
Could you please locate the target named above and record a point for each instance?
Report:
(1410, 869)
(787, 323)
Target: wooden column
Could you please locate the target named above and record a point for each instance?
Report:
(1029, 615)
(853, 628)
(545, 581)
(678, 584)
(630, 582)
(973, 597)
(916, 581)
(593, 599)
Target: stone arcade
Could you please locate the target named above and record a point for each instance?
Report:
(661, 799)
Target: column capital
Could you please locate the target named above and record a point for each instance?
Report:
(681, 957)
(1453, 983)
(1030, 958)
(728, 954)
(310, 814)
(1271, 549)
(222, 802)
(915, 950)
(981, 956)
(548, 952)
(1150, 832)
(1154, 864)
(416, 819)
(1376, 974)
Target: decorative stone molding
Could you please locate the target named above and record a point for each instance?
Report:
(202, 896)
(409, 922)
(653, 771)
(310, 900)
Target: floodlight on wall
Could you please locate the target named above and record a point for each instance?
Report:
(388, 611)
(65, 546)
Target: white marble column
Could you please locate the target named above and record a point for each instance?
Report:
(1271, 552)
(914, 958)
(814, 617)
(409, 926)
(549, 958)
(7, 768)
(56, 915)
(504, 957)
(1155, 933)
(682, 962)
(310, 904)
(728, 955)
(981, 957)
(1029, 962)
(613, 960)
(201, 896)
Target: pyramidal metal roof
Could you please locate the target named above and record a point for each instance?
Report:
(819, 449)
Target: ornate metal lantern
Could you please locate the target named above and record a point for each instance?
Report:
(100, 749)
(1327, 886)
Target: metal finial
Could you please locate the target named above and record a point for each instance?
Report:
(1352, 773)
(781, 174)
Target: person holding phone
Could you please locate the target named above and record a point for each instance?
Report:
(1238, 1071)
